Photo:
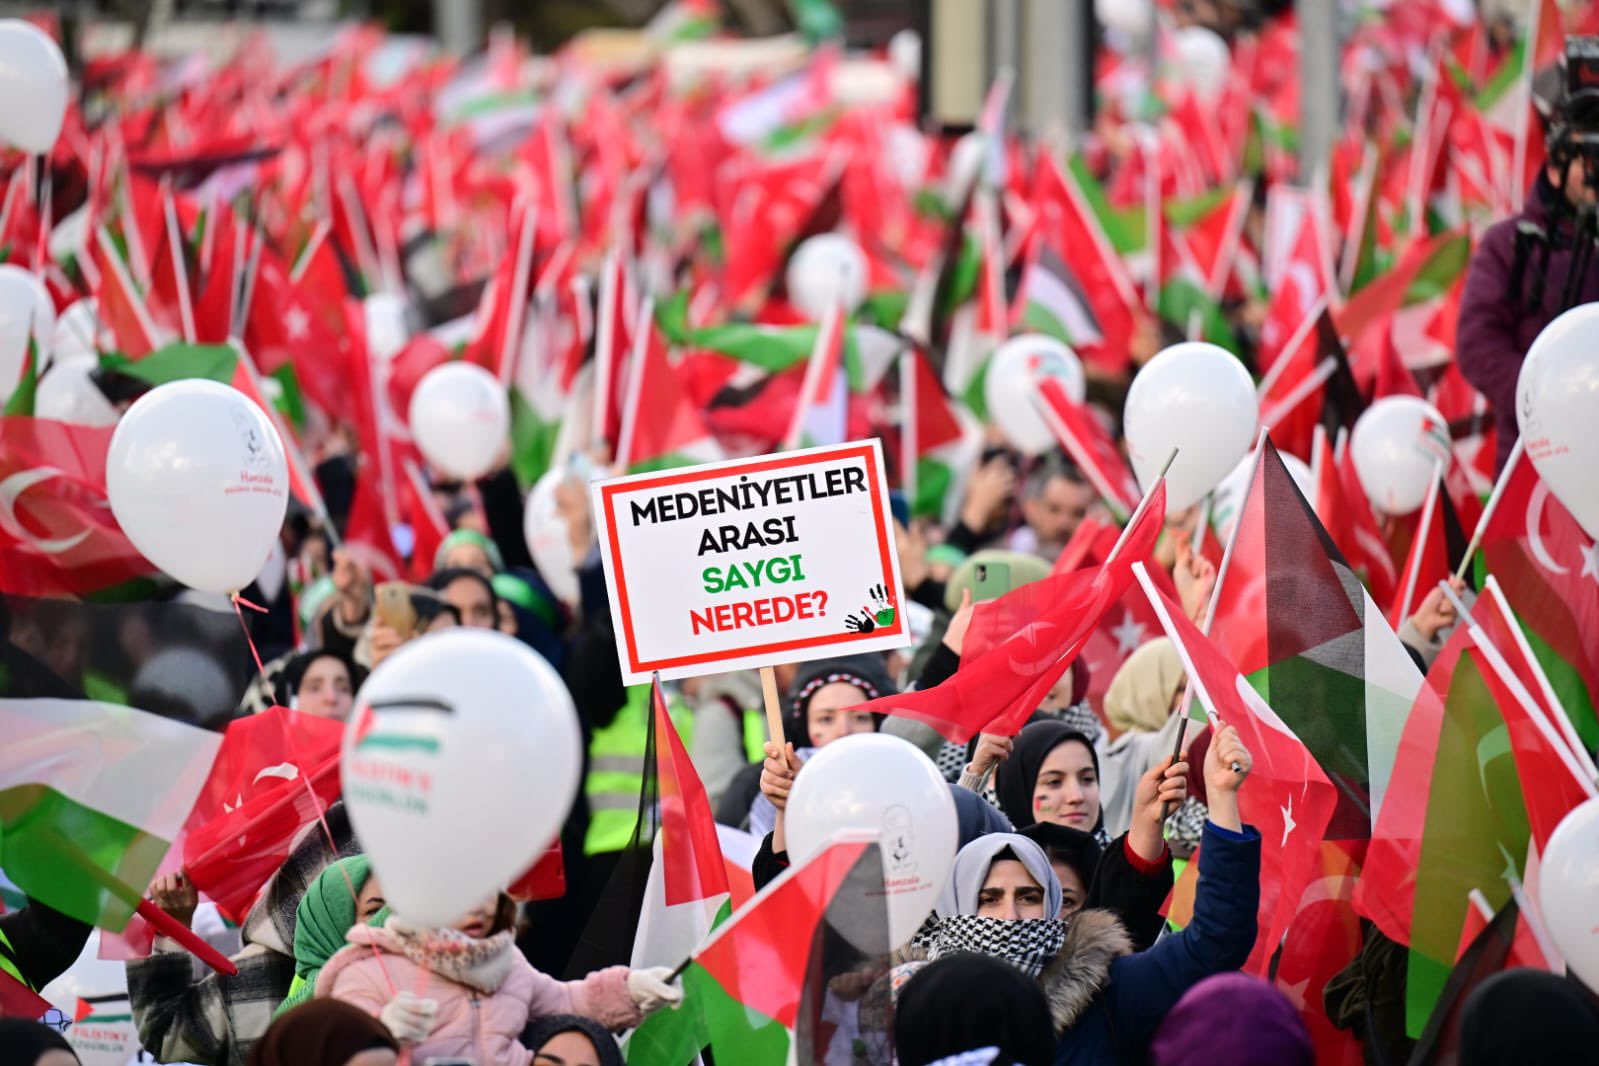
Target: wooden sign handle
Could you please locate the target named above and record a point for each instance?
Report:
(774, 707)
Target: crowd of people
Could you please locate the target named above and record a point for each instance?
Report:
(1064, 933)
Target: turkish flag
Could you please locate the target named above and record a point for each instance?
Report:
(277, 772)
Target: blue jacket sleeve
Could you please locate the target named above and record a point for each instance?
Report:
(1144, 986)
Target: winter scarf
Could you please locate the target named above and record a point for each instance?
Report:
(481, 964)
(326, 913)
(1027, 945)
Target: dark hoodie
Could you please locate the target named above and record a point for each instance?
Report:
(1497, 323)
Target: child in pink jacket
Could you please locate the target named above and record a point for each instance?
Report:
(467, 991)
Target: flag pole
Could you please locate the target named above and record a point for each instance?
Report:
(1138, 512)
(1491, 506)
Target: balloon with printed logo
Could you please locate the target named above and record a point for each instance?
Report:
(33, 77)
(1557, 408)
(876, 783)
(1399, 444)
(460, 417)
(825, 270)
(459, 765)
(198, 480)
(1196, 398)
(1568, 884)
(1010, 388)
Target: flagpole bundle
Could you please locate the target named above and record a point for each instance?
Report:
(1491, 506)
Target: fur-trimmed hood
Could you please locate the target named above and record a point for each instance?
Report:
(1078, 973)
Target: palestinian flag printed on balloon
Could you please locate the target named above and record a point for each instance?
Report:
(1549, 571)
(104, 710)
(758, 989)
(1294, 618)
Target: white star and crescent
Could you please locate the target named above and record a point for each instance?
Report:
(11, 490)
(1128, 634)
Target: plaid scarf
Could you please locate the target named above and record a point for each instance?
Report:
(1028, 945)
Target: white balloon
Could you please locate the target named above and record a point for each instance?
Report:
(1197, 398)
(1227, 500)
(1568, 885)
(24, 305)
(905, 53)
(826, 269)
(872, 782)
(1130, 17)
(33, 77)
(198, 481)
(1202, 60)
(460, 417)
(1557, 408)
(1011, 387)
(459, 765)
(548, 539)
(1398, 443)
(67, 393)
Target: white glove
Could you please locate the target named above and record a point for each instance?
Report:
(409, 1017)
(651, 990)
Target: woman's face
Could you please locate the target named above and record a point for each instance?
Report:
(1060, 695)
(1010, 893)
(570, 1048)
(1073, 893)
(369, 900)
(825, 718)
(325, 690)
(1067, 790)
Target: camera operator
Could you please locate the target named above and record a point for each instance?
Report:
(1530, 268)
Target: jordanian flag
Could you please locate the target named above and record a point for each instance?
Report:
(661, 426)
(106, 747)
(757, 989)
(686, 894)
(1294, 618)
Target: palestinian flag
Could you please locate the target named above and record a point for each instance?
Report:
(1549, 570)
(230, 365)
(120, 305)
(934, 445)
(773, 349)
(547, 383)
(1500, 944)
(106, 746)
(661, 427)
(1296, 621)
(687, 893)
(1455, 820)
(1051, 301)
(1290, 800)
(57, 534)
(756, 991)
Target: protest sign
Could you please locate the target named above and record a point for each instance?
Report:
(750, 562)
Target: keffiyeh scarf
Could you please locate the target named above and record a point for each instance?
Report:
(1028, 945)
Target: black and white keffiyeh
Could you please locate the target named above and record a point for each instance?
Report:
(1028, 945)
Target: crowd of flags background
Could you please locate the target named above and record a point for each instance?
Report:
(611, 243)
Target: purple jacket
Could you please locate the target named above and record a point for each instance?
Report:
(1496, 325)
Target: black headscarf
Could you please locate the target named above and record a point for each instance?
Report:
(288, 681)
(865, 672)
(1530, 1018)
(975, 816)
(542, 1029)
(1016, 776)
(966, 1002)
(320, 1030)
(1062, 843)
(23, 1041)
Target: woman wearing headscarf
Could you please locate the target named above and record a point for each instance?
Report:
(1106, 1001)
(570, 1040)
(1050, 773)
(1074, 856)
(1140, 705)
(1236, 1019)
(218, 1018)
(342, 895)
(329, 1033)
(968, 1002)
(322, 681)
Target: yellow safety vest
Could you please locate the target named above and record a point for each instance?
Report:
(616, 769)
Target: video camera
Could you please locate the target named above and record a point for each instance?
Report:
(1574, 122)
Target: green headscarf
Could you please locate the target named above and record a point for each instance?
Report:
(325, 915)
(473, 537)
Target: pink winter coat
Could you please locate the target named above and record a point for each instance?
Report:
(483, 1026)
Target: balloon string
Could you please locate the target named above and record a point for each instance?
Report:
(305, 779)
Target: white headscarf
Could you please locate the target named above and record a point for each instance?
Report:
(971, 870)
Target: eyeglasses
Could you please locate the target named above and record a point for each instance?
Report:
(56, 1020)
